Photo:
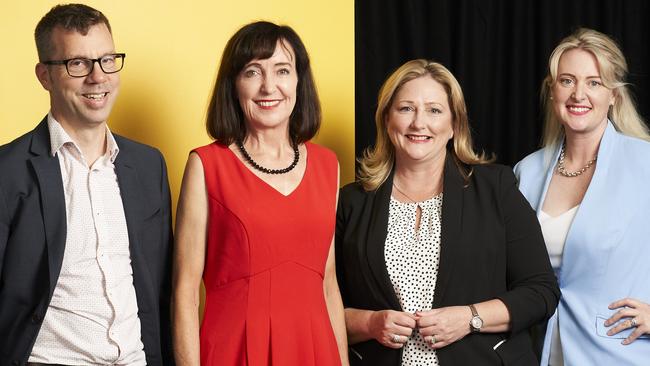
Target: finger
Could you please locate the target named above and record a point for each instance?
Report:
(620, 327)
(623, 313)
(397, 338)
(430, 339)
(426, 321)
(427, 331)
(438, 344)
(624, 302)
(395, 341)
(404, 320)
(426, 312)
(404, 314)
(412, 315)
(633, 336)
(400, 331)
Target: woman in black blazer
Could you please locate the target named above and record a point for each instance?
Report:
(440, 259)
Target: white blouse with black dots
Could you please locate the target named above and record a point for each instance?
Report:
(412, 256)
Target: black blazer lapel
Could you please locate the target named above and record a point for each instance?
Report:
(452, 212)
(134, 205)
(377, 232)
(127, 178)
(50, 183)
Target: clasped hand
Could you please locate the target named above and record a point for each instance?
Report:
(444, 326)
(439, 327)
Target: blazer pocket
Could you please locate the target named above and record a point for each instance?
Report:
(516, 350)
(601, 329)
(371, 353)
(355, 354)
(150, 212)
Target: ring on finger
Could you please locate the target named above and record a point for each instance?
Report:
(396, 338)
(633, 322)
(431, 339)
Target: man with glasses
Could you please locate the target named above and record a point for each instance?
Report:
(85, 229)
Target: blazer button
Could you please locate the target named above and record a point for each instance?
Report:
(36, 318)
(15, 363)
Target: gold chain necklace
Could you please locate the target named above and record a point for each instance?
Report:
(406, 195)
(403, 194)
(562, 170)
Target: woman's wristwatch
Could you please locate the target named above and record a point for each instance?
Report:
(476, 323)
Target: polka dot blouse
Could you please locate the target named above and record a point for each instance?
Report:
(412, 258)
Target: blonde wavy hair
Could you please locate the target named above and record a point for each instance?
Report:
(613, 71)
(378, 161)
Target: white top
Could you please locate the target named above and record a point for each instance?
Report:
(412, 258)
(555, 230)
(93, 315)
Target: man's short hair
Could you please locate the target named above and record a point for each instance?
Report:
(76, 17)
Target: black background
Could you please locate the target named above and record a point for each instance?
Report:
(498, 51)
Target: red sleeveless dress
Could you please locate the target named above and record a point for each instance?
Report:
(265, 262)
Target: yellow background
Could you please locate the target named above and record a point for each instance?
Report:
(173, 50)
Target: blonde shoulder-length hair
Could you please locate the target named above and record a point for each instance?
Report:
(613, 71)
(377, 162)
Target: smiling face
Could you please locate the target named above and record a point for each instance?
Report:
(266, 89)
(419, 121)
(84, 101)
(580, 100)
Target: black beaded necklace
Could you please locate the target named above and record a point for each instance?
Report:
(296, 158)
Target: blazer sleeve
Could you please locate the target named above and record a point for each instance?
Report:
(4, 229)
(532, 289)
(341, 223)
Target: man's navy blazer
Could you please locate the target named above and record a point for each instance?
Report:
(33, 234)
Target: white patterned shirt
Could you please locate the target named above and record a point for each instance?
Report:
(412, 258)
(93, 315)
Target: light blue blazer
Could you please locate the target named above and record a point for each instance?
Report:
(607, 251)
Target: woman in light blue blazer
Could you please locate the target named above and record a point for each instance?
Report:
(590, 186)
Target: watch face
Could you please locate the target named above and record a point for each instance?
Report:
(477, 322)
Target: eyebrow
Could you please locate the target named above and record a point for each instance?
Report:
(87, 57)
(276, 65)
(573, 76)
(426, 103)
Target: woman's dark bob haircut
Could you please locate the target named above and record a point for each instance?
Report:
(225, 119)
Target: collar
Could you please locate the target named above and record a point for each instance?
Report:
(59, 137)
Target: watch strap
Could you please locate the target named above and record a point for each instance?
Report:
(473, 309)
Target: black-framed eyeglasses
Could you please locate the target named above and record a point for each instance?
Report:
(80, 67)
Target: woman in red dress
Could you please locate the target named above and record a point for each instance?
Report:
(256, 217)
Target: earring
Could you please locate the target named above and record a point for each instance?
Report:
(551, 97)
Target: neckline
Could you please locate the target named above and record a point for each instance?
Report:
(433, 199)
(574, 208)
(250, 172)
